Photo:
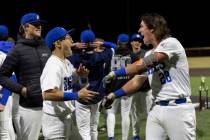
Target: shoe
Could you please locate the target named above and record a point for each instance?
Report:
(136, 137)
(102, 129)
(111, 138)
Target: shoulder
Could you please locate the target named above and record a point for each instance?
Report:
(169, 41)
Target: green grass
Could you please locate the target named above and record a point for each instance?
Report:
(118, 133)
(196, 82)
(202, 117)
(203, 125)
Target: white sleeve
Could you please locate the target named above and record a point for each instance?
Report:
(50, 78)
(2, 58)
(168, 46)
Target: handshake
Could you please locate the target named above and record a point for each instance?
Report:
(109, 98)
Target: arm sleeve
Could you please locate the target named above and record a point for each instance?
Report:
(169, 47)
(50, 78)
(109, 45)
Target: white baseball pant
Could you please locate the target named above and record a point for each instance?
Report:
(174, 122)
(6, 127)
(60, 127)
(87, 117)
(30, 123)
(125, 111)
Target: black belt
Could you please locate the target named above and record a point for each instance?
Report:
(166, 102)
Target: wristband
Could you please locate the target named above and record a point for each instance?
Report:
(120, 92)
(70, 96)
(120, 72)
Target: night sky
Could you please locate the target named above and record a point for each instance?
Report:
(190, 23)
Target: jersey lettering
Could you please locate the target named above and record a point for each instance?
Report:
(163, 74)
(119, 62)
(67, 83)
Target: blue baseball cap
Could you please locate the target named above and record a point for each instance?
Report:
(3, 30)
(123, 38)
(137, 37)
(31, 18)
(55, 34)
(87, 36)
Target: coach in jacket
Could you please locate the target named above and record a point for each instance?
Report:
(27, 60)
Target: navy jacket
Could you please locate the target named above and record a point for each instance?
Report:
(27, 59)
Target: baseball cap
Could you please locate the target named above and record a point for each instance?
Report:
(31, 18)
(123, 38)
(137, 37)
(56, 34)
(3, 30)
(87, 36)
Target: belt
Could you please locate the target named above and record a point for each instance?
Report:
(166, 102)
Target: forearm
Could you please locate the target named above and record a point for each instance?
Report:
(140, 65)
(53, 95)
(130, 70)
(109, 45)
(10, 84)
(131, 86)
(58, 95)
(134, 84)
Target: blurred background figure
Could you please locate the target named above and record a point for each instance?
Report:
(6, 100)
(90, 54)
(121, 58)
(142, 100)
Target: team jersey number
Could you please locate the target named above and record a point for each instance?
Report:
(119, 62)
(165, 77)
(67, 83)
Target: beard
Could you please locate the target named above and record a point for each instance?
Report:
(69, 53)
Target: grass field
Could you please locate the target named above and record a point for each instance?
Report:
(202, 132)
(196, 82)
(203, 118)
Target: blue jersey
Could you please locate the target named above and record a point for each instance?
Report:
(95, 62)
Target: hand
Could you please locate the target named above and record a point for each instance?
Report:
(107, 102)
(24, 92)
(86, 95)
(2, 108)
(97, 43)
(79, 45)
(108, 79)
(82, 71)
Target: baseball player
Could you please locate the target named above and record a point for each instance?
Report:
(166, 67)
(87, 114)
(142, 100)
(121, 58)
(57, 80)
(6, 101)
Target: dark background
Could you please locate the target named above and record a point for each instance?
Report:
(188, 20)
